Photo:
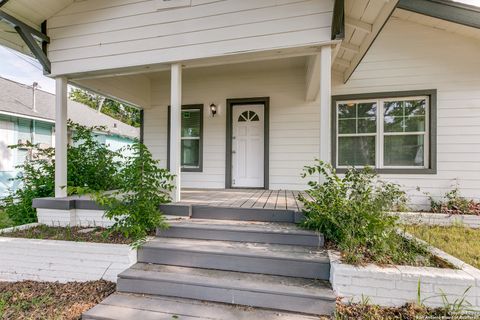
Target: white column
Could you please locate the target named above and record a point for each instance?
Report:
(176, 122)
(60, 137)
(325, 99)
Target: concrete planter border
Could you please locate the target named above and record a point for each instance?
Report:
(397, 285)
(439, 219)
(63, 261)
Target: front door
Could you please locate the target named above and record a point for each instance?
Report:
(248, 146)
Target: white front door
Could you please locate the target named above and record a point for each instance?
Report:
(6, 139)
(248, 146)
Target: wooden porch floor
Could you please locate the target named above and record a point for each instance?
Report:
(243, 198)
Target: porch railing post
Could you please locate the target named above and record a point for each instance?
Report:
(61, 137)
(325, 94)
(176, 122)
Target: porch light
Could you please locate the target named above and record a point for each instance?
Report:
(213, 109)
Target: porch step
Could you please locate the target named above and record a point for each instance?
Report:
(257, 290)
(120, 306)
(273, 259)
(231, 213)
(251, 231)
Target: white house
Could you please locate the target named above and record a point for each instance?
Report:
(243, 94)
(28, 114)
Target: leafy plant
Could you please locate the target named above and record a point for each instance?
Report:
(143, 187)
(90, 165)
(454, 203)
(352, 213)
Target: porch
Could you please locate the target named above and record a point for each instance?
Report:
(243, 198)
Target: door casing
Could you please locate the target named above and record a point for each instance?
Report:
(231, 103)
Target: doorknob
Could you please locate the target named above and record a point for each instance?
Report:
(233, 151)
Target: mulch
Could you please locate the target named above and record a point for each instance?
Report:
(80, 234)
(50, 300)
(473, 209)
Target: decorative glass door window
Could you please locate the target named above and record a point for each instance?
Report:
(191, 138)
(383, 133)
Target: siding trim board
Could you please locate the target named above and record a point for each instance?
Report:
(266, 140)
(432, 94)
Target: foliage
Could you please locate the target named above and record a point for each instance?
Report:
(5, 221)
(454, 203)
(90, 164)
(135, 205)
(120, 111)
(352, 212)
(459, 241)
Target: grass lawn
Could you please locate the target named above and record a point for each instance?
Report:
(461, 242)
(5, 221)
(50, 300)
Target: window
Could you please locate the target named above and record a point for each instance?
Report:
(392, 132)
(191, 131)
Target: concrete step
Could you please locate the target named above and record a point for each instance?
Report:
(257, 290)
(121, 306)
(273, 259)
(250, 231)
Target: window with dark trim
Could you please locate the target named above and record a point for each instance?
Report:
(394, 132)
(192, 136)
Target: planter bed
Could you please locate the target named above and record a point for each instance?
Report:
(398, 285)
(59, 260)
(441, 219)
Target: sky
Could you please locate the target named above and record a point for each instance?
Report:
(24, 69)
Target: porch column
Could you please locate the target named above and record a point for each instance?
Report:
(176, 123)
(325, 94)
(60, 137)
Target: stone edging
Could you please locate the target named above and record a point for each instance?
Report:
(397, 285)
(440, 219)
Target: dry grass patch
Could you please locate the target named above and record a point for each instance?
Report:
(50, 300)
(459, 241)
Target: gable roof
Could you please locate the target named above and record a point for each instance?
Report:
(17, 99)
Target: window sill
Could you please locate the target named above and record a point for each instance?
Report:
(191, 169)
(396, 171)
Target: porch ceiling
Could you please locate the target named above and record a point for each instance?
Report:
(32, 13)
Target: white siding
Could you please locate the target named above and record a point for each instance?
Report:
(410, 56)
(294, 123)
(96, 35)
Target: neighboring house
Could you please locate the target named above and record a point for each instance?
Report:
(386, 83)
(28, 114)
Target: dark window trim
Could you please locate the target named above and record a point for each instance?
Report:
(142, 126)
(431, 93)
(200, 159)
(266, 139)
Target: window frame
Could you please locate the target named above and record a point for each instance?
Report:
(430, 133)
(200, 147)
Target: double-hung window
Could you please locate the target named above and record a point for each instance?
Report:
(393, 132)
(191, 131)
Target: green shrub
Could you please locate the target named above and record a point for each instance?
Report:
(352, 213)
(143, 187)
(90, 165)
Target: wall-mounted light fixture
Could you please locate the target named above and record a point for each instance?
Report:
(213, 109)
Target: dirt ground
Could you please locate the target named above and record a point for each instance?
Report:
(48, 300)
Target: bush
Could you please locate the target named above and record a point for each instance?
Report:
(352, 213)
(135, 205)
(90, 165)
